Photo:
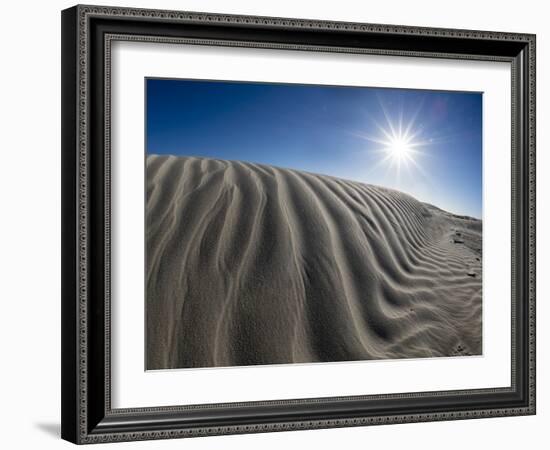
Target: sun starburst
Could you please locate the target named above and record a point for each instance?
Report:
(400, 148)
(399, 141)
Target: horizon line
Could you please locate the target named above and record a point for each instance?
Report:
(459, 215)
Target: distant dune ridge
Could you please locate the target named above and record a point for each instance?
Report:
(252, 264)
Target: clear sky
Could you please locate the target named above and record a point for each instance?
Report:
(425, 143)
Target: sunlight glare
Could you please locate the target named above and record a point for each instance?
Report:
(399, 148)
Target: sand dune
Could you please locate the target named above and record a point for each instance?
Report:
(251, 264)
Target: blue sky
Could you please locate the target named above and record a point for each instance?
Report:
(425, 143)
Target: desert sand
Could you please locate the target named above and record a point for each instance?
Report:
(252, 264)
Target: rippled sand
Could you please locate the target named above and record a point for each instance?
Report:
(252, 264)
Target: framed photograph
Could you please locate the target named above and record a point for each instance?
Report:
(277, 224)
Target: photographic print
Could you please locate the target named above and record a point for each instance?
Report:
(291, 223)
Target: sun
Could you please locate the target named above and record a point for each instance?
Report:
(400, 142)
(399, 148)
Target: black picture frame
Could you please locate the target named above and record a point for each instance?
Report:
(87, 416)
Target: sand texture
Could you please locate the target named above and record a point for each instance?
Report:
(251, 264)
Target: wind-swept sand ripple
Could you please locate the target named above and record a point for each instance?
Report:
(250, 264)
